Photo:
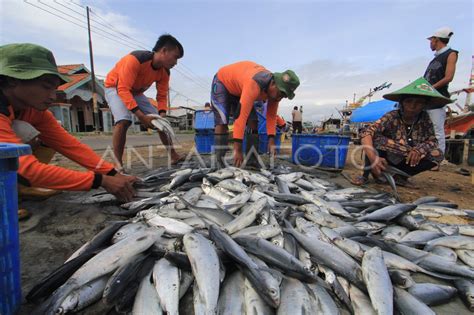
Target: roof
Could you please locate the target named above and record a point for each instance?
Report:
(70, 69)
(74, 80)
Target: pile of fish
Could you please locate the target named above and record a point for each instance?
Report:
(233, 241)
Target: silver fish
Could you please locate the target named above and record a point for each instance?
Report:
(394, 233)
(329, 255)
(231, 298)
(104, 263)
(86, 295)
(146, 300)
(321, 300)
(466, 292)
(166, 282)
(432, 294)
(455, 242)
(246, 218)
(444, 252)
(466, 256)
(408, 304)
(360, 302)
(233, 185)
(378, 281)
(295, 298)
(205, 266)
(264, 231)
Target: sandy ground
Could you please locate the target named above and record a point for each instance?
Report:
(60, 225)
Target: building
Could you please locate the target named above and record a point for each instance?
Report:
(180, 117)
(74, 108)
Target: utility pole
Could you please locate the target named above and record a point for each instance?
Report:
(94, 93)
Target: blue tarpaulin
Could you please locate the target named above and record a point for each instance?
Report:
(372, 111)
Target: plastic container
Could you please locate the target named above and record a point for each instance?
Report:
(204, 141)
(329, 151)
(10, 286)
(262, 123)
(263, 143)
(204, 120)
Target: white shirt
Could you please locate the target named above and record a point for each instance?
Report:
(442, 50)
(297, 116)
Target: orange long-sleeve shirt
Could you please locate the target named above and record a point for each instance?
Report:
(54, 136)
(280, 122)
(249, 81)
(134, 74)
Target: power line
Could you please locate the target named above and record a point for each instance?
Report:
(81, 26)
(80, 20)
(120, 41)
(188, 77)
(187, 98)
(114, 29)
(108, 25)
(80, 6)
(182, 69)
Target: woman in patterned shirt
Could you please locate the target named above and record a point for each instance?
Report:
(403, 138)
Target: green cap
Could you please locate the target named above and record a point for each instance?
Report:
(287, 82)
(420, 87)
(27, 61)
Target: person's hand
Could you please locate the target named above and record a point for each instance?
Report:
(121, 186)
(146, 121)
(413, 158)
(378, 165)
(238, 155)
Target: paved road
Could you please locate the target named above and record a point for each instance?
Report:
(101, 142)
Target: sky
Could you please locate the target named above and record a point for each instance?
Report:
(337, 48)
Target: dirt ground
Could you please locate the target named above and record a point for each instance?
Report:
(60, 225)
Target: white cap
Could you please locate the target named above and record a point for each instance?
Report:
(444, 32)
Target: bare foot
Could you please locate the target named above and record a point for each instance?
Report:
(176, 158)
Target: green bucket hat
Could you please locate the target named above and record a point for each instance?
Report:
(287, 82)
(420, 87)
(27, 61)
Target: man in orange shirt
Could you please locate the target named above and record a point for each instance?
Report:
(28, 81)
(235, 88)
(132, 76)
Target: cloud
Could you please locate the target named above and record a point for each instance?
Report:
(328, 84)
(34, 24)
(325, 83)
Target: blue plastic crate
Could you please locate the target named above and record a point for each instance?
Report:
(263, 143)
(328, 151)
(10, 286)
(203, 119)
(262, 123)
(204, 142)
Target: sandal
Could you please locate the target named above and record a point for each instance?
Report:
(463, 172)
(359, 180)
